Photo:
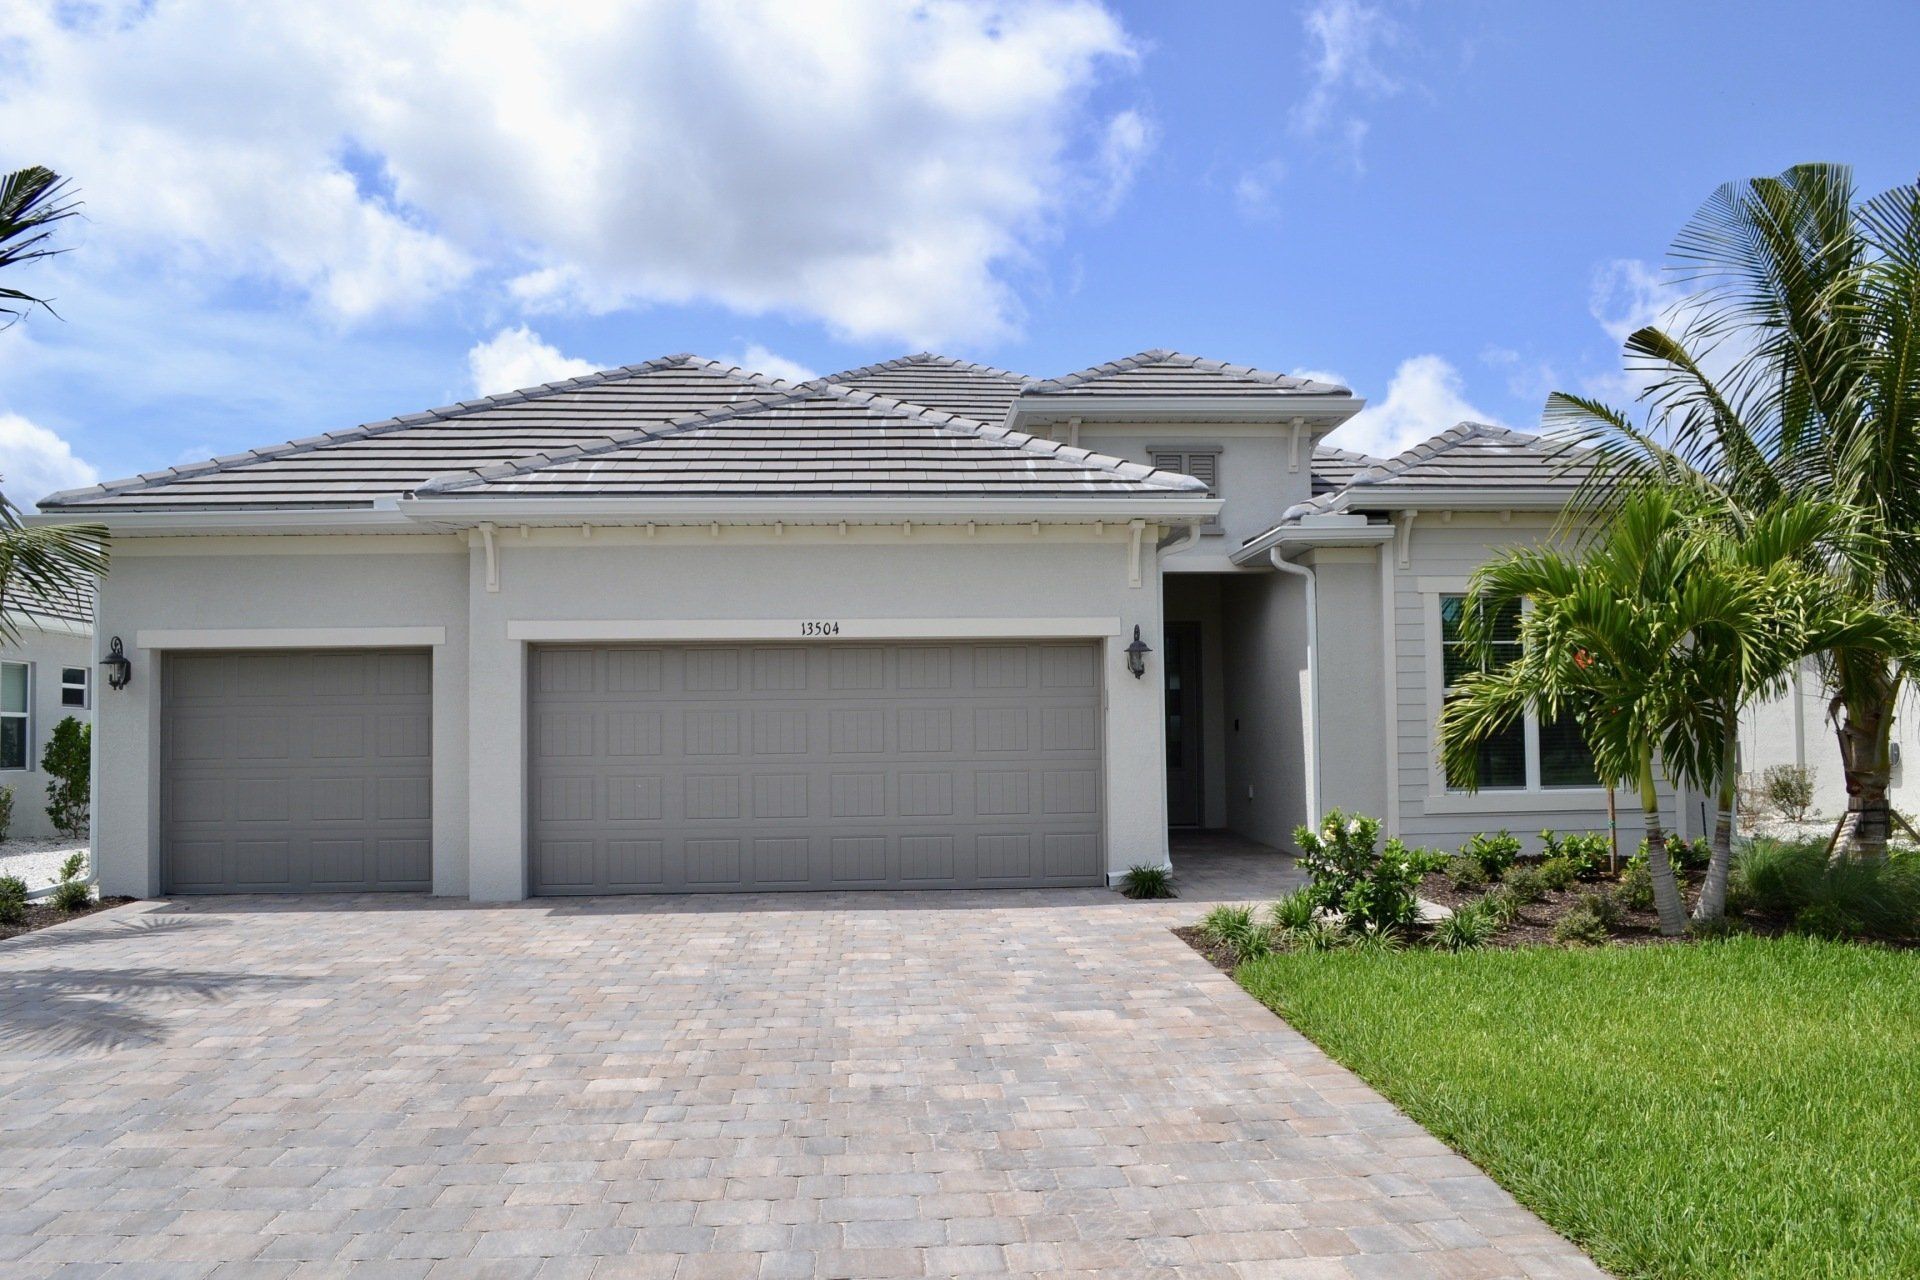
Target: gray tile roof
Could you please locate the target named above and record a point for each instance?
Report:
(1335, 468)
(1169, 373)
(1471, 458)
(974, 391)
(53, 606)
(384, 459)
(823, 439)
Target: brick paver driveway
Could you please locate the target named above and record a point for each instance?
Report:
(889, 1085)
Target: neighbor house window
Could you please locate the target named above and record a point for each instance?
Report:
(15, 684)
(73, 687)
(1527, 754)
(1203, 464)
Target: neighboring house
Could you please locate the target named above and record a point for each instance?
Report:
(1797, 729)
(679, 626)
(46, 676)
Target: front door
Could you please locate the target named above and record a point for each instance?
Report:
(1183, 724)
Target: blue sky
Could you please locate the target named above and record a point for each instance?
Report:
(306, 217)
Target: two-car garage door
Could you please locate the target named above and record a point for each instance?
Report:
(814, 766)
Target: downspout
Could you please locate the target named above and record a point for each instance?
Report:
(1311, 711)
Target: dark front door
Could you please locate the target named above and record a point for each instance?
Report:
(1183, 724)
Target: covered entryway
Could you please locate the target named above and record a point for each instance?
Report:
(721, 768)
(291, 771)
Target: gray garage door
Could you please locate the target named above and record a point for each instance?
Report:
(296, 771)
(830, 766)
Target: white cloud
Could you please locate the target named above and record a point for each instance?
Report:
(873, 165)
(516, 358)
(1255, 191)
(1130, 136)
(758, 359)
(35, 462)
(1347, 40)
(1425, 397)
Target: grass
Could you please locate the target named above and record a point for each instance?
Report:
(1742, 1107)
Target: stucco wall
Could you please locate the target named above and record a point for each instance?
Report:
(1264, 656)
(46, 652)
(1256, 484)
(1442, 555)
(680, 584)
(1353, 753)
(1795, 728)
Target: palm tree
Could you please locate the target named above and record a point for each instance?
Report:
(31, 201)
(1651, 638)
(1794, 371)
(38, 561)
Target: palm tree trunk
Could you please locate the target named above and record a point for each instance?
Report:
(1666, 891)
(1866, 756)
(1713, 893)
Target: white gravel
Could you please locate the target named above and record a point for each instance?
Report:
(37, 861)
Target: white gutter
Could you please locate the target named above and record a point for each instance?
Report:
(1310, 713)
(1335, 531)
(1178, 506)
(1278, 410)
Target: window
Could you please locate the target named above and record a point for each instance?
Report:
(74, 686)
(15, 689)
(1202, 463)
(1527, 755)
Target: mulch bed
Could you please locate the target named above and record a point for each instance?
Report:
(1217, 955)
(1534, 927)
(40, 915)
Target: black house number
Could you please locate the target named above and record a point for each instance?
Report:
(819, 628)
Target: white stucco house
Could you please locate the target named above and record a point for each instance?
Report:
(46, 675)
(680, 626)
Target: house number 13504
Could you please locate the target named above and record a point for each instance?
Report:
(819, 628)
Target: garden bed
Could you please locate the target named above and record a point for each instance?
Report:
(40, 915)
(1534, 925)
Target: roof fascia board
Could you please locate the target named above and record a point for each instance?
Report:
(820, 510)
(150, 520)
(27, 621)
(1447, 498)
(1306, 537)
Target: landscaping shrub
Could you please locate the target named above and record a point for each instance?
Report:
(6, 811)
(1293, 912)
(1495, 853)
(1425, 861)
(71, 893)
(1143, 881)
(1375, 941)
(1688, 855)
(1588, 851)
(1501, 905)
(1559, 873)
(67, 761)
(1636, 886)
(1526, 884)
(1590, 922)
(1235, 928)
(1788, 788)
(1465, 873)
(1794, 880)
(1467, 929)
(13, 899)
(1373, 887)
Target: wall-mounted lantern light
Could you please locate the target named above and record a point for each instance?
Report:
(1137, 654)
(119, 666)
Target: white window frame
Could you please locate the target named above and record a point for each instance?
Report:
(85, 686)
(25, 717)
(1443, 798)
(1186, 451)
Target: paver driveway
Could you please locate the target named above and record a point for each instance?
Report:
(882, 1085)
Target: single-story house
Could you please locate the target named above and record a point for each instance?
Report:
(46, 675)
(681, 626)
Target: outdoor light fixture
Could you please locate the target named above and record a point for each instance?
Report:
(1137, 654)
(119, 666)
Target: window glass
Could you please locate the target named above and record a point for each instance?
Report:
(13, 687)
(73, 686)
(1565, 760)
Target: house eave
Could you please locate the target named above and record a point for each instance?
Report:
(1175, 508)
(1324, 531)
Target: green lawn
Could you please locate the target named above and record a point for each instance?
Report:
(1741, 1108)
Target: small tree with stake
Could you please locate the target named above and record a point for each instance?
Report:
(68, 761)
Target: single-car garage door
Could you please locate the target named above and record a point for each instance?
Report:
(826, 766)
(296, 771)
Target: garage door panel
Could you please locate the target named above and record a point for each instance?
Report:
(290, 771)
(815, 766)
